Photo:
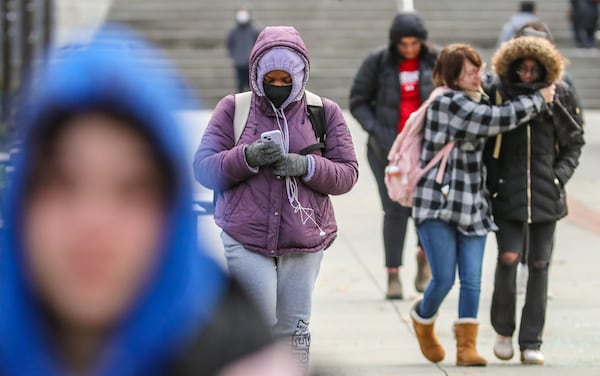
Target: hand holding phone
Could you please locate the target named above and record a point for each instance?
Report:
(274, 136)
(261, 153)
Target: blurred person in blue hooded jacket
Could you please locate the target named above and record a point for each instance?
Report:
(100, 273)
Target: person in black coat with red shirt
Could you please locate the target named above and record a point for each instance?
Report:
(391, 83)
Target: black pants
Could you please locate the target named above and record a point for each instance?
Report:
(512, 237)
(584, 19)
(395, 216)
(243, 78)
(585, 37)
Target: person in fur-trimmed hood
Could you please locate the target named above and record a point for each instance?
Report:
(528, 169)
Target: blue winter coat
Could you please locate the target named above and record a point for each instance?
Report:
(187, 287)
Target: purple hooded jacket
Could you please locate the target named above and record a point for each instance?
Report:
(252, 205)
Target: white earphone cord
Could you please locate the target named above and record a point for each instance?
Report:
(291, 184)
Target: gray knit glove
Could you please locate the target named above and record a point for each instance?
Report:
(261, 153)
(291, 165)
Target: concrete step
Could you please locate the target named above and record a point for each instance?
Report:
(338, 34)
(480, 22)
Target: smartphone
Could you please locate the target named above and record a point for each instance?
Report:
(274, 136)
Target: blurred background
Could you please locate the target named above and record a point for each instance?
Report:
(339, 34)
(193, 34)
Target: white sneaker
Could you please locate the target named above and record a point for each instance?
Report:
(503, 348)
(532, 357)
(522, 276)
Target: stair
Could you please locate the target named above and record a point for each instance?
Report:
(479, 22)
(338, 34)
(464, 21)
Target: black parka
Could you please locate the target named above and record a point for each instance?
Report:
(236, 330)
(375, 93)
(528, 167)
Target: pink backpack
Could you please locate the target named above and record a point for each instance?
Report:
(404, 169)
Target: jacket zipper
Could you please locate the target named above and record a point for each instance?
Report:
(529, 173)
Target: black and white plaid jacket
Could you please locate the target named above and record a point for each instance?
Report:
(462, 198)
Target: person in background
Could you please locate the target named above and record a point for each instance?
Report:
(273, 200)
(240, 40)
(525, 14)
(584, 22)
(391, 83)
(528, 169)
(453, 218)
(100, 273)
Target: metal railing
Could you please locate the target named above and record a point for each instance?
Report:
(3, 182)
(25, 32)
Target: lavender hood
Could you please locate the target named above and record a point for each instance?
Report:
(280, 48)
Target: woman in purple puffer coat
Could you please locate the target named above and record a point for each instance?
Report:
(273, 205)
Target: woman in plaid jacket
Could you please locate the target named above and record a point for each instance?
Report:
(453, 218)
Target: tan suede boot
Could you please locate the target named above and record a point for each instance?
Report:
(431, 347)
(394, 289)
(423, 271)
(465, 331)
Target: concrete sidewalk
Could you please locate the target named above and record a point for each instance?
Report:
(356, 332)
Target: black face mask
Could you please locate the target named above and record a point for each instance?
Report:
(277, 94)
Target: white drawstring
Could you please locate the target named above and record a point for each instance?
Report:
(291, 184)
(306, 214)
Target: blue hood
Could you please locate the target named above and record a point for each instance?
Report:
(187, 286)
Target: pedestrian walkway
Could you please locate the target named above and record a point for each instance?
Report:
(356, 332)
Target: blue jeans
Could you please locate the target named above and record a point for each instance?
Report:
(447, 249)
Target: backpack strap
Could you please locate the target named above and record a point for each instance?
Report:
(313, 99)
(442, 155)
(498, 144)
(316, 113)
(240, 116)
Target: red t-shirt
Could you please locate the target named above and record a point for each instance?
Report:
(409, 90)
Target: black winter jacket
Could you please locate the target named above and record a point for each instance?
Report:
(527, 177)
(375, 95)
(527, 181)
(236, 330)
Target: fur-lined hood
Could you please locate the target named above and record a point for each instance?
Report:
(539, 49)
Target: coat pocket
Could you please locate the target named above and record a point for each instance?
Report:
(231, 198)
(378, 150)
(496, 188)
(560, 192)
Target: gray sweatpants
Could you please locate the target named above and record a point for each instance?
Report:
(281, 287)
